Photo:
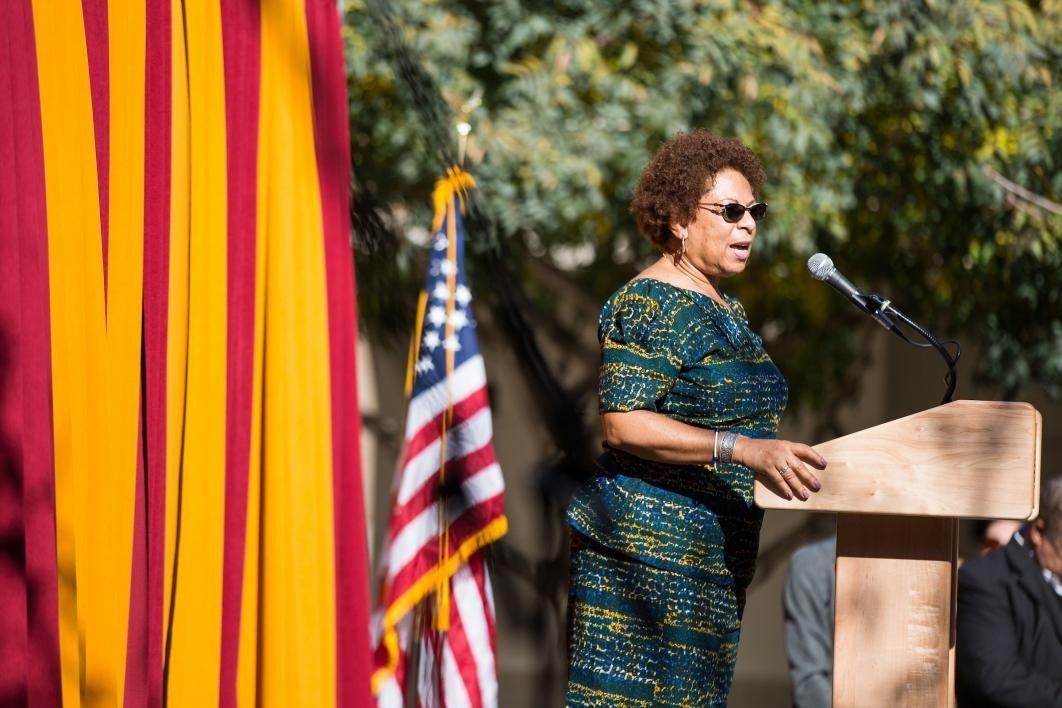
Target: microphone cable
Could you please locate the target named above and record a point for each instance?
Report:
(950, 378)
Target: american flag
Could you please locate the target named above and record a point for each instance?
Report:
(436, 610)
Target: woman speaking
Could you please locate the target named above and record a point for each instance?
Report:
(665, 532)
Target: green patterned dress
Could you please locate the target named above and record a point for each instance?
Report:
(662, 553)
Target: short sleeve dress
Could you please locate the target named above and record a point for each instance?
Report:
(662, 553)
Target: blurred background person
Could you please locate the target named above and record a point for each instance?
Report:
(808, 602)
(1009, 641)
(665, 532)
(996, 533)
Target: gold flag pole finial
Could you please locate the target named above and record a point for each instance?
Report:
(463, 130)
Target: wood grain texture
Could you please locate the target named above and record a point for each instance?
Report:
(970, 459)
(894, 621)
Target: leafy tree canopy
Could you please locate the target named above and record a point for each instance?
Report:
(918, 143)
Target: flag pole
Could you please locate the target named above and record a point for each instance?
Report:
(409, 690)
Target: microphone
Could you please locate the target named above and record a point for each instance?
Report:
(821, 268)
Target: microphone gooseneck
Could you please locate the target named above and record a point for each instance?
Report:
(821, 267)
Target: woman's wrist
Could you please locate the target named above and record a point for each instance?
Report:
(738, 449)
(726, 446)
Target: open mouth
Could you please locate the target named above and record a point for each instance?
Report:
(741, 249)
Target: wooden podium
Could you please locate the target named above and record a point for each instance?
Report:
(899, 489)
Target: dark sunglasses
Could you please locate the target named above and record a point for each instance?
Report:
(734, 212)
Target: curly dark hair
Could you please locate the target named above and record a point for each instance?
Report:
(678, 175)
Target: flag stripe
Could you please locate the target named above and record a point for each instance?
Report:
(456, 693)
(457, 666)
(298, 554)
(194, 654)
(157, 215)
(472, 434)
(409, 543)
(240, 33)
(463, 544)
(99, 61)
(247, 665)
(136, 655)
(420, 542)
(429, 432)
(472, 604)
(467, 466)
(115, 512)
(466, 379)
(178, 287)
(31, 653)
(466, 595)
(332, 140)
(77, 329)
(247, 660)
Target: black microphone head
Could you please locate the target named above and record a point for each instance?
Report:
(820, 266)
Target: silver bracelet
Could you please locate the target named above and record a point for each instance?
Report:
(715, 449)
(726, 447)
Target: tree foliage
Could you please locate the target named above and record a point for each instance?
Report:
(918, 143)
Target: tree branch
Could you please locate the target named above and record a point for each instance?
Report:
(1023, 193)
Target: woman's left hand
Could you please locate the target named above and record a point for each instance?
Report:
(781, 465)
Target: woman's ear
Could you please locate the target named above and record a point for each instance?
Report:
(680, 234)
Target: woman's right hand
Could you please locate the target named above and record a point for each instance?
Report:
(781, 465)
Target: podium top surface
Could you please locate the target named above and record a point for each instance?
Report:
(971, 459)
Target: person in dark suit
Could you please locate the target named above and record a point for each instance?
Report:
(1008, 648)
